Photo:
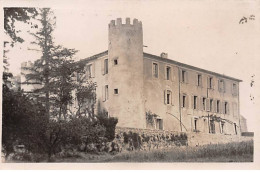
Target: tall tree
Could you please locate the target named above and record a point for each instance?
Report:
(54, 69)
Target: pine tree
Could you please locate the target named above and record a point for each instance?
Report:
(53, 71)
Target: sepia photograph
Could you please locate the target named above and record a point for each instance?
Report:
(127, 82)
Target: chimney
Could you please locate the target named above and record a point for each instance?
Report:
(164, 55)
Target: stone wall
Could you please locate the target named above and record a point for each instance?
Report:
(148, 139)
(128, 139)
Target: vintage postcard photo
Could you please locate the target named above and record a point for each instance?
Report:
(127, 82)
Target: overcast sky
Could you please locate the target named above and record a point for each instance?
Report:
(206, 34)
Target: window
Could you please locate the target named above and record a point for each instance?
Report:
(218, 106)
(106, 92)
(183, 76)
(226, 108)
(204, 103)
(168, 97)
(212, 126)
(195, 98)
(106, 66)
(184, 101)
(221, 85)
(199, 82)
(195, 124)
(115, 61)
(116, 91)
(222, 127)
(155, 70)
(235, 128)
(168, 73)
(210, 82)
(234, 89)
(159, 124)
(211, 105)
(90, 71)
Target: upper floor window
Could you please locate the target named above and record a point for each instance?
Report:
(155, 70)
(184, 76)
(204, 103)
(225, 107)
(210, 82)
(234, 89)
(195, 101)
(199, 80)
(167, 97)
(116, 91)
(221, 85)
(211, 105)
(90, 72)
(184, 101)
(106, 66)
(218, 106)
(168, 73)
(115, 61)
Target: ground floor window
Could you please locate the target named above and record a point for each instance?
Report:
(222, 127)
(159, 124)
(212, 126)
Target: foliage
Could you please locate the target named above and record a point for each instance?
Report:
(150, 118)
(19, 113)
(12, 15)
(133, 139)
(110, 124)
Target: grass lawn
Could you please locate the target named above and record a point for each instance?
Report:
(231, 152)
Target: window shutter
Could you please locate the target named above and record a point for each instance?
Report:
(216, 106)
(207, 104)
(171, 99)
(208, 83)
(228, 108)
(165, 96)
(93, 70)
(187, 102)
(192, 102)
(219, 87)
(200, 103)
(103, 93)
(224, 86)
(103, 67)
(181, 100)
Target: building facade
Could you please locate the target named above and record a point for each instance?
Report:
(133, 85)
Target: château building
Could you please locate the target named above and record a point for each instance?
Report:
(132, 84)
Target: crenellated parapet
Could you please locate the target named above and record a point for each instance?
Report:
(118, 23)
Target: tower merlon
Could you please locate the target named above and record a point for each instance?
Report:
(118, 22)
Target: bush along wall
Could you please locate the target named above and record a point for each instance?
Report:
(129, 139)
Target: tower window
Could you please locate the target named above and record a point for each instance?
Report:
(168, 73)
(222, 127)
(155, 70)
(116, 91)
(115, 61)
(167, 97)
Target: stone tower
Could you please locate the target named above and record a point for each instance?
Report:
(125, 76)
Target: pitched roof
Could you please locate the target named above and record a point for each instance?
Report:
(165, 60)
